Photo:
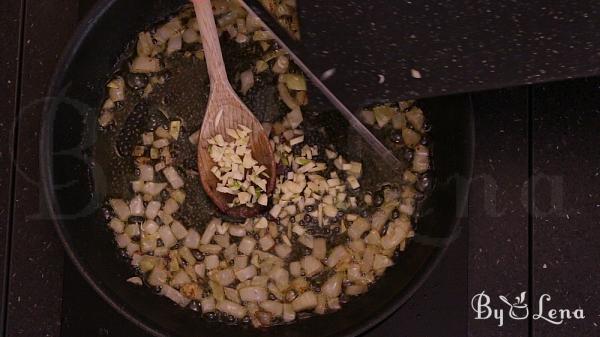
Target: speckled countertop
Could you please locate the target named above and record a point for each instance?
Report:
(398, 49)
(532, 222)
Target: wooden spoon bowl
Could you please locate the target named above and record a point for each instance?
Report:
(226, 110)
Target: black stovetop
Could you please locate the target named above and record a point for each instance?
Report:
(532, 221)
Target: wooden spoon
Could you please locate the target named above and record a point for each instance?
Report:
(226, 110)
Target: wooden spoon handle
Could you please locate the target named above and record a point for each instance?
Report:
(210, 42)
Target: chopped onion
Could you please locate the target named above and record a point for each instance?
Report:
(194, 137)
(180, 278)
(191, 290)
(211, 262)
(153, 189)
(169, 29)
(358, 227)
(338, 254)
(149, 227)
(222, 240)
(171, 206)
(144, 44)
(230, 252)
(266, 242)
(132, 248)
(294, 117)
(231, 31)
(381, 262)
(252, 22)
(253, 294)
(283, 250)
(210, 230)
(294, 81)
(421, 159)
(333, 286)
(399, 121)
(273, 307)
(237, 231)
(260, 66)
(161, 251)
(334, 303)
(135, 280)
(200, 269)
(281, 64)
(158, 276)
(367, 117)
(231, 308)
(210, 249)
(178, 195)
(232, 295)
(116, 225)
(284, 95)
(136, 206)
(247, 245)
(380, 217)
(330, 211)
(295, 268)
(106, 118)
(190, 36)
(306, 301)
(145, 64)
(174, 295)
(160, 143)
(173, 177)
(122, 240)
(146, 172)
(281, 277)
(415, 117)
(224, 277)
(261, 35)
(179, 231)
(175, 129)
(116, 89)
(148, 242)
(240, 262)
(319, 248)
(355, 289)
(274, 212)
(165, 218)
(192, 240)
(394, 236)
(288, 312)
(120, 208)
(186, 254)
(383, 114)
(321, 304)
(410, 137)
(166, 235)
(152, 209)
(247, 80)
(174, 44)
(208, 304)
(246, 273)
(311, 265)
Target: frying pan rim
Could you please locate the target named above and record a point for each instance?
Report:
(46, 173)
(46, 170)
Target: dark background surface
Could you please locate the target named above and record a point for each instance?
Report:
(532, 222)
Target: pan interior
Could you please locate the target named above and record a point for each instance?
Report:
(79, 180)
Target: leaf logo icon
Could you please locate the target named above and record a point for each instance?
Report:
(518, 310)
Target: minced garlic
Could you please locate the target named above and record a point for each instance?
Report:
(238, 172)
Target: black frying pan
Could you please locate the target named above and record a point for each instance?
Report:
(76, 194)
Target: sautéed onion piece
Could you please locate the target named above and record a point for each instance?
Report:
(324, 237)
